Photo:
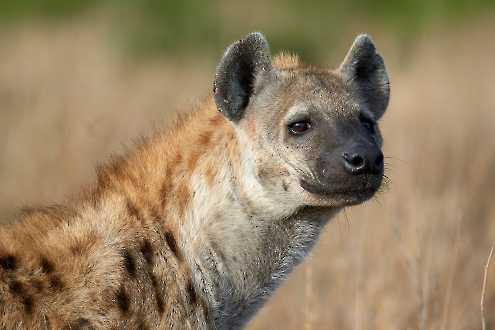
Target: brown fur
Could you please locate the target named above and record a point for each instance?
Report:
(91, 264)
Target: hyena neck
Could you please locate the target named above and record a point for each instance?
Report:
(239, 240)
(199, 182)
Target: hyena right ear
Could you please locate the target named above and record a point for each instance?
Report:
(242, 64)
(364, 70)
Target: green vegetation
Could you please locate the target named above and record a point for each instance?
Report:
(178, 27)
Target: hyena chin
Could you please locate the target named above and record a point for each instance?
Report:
(196, 226)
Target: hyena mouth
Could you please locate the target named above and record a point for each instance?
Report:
(349, 195)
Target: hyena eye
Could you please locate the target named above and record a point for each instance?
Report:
(367, 123)
(299, 127)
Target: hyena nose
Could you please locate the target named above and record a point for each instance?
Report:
(363, 161)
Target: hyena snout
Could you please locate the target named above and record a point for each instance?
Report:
(360, 159)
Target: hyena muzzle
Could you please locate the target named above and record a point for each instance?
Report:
(195, 227)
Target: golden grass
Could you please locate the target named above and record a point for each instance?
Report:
(483, 289)
(413, 258)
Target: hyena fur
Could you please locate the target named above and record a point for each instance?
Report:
(197, 226)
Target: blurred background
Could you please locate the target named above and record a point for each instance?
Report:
(80, 79)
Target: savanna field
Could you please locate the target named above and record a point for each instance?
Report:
(411, 258)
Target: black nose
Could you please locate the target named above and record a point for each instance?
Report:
(361, 160)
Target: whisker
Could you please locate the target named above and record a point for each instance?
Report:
(347, 220)
(396, 158)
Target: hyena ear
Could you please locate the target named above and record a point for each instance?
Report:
(364, 70)
(242, 64)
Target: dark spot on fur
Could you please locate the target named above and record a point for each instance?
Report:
(8, 262)
(172, 244)
(28, 304)
(147, 251)
(48, 324)
(160, 305)
(79, 324)
(129, 262)
(46, 265)
(56, 282)
(122, 300)
(16, 288)
(191, 292)
(284, 185)
(159, 300)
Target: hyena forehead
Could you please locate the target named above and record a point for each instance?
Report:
(301, 92)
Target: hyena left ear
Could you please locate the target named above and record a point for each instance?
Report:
(364, 70)
(242, 64)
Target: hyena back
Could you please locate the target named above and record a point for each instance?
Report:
(195, 227)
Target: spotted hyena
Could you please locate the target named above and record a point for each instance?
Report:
(198, 225)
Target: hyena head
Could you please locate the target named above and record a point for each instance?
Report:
(312, 132)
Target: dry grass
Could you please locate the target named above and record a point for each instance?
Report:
(411, 259)
(483, 288)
